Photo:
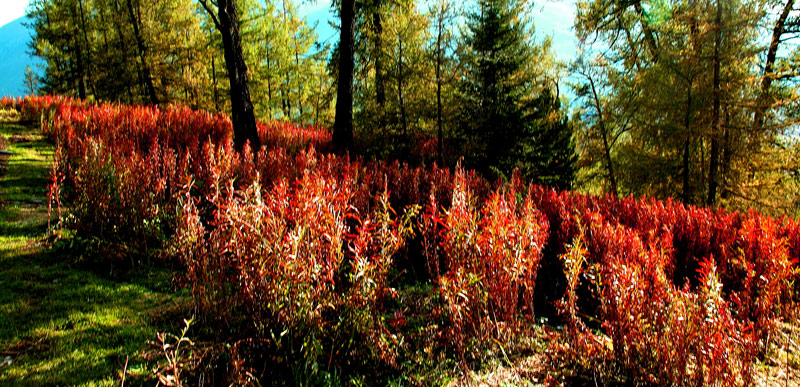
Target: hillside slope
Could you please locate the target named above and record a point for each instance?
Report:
(14, 38)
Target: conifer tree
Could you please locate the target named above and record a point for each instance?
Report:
(546, 152)
(510, 118)
(492, 89)
(30, 82)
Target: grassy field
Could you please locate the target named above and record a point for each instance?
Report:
(64, 321)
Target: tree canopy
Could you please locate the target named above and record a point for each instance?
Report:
(689, 99)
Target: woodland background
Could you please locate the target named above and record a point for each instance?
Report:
(693, 100)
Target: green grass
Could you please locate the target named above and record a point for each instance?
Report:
(63, 322)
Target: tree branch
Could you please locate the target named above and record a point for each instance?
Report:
(205, 5)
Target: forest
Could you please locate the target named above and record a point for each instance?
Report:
(691, 100)
(432, 197)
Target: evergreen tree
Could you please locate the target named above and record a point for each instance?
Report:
(30, 82)
(493, 89)
(546, 152)
(511, 120)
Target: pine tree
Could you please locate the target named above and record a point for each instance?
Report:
(546, 152)
(30, 82)
(493, 89)
(511, 121)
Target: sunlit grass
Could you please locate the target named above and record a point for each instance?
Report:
(63, 322)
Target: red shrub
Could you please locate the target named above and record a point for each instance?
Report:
(488, 264)
(290, 238)
(760, 274)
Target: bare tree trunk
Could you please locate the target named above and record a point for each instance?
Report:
(715, 121)
(686, 195)
(81, 75)
(604, 134)
(439, 129)
(146, 76)
(285, 101)
(726, 154)
(300, 79)
(269, 82)
(403, 118)
(124, 52)
(687, 190)
(214, 82)
(380, 92)
(80, 66)
(648, 34)
(242, 115)
(88, 63)
(286, 90)
(343, 122)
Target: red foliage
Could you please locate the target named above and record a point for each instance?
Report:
(289, 238)
(487, 263)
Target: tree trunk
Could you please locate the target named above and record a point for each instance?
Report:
(403, 118)
(299, 78)
(648, 33)
(286, 90)
(686, 195)
(285, 102)
(380, 92)
(715, 126)
(687, 190)
(242, 115)
(726, 154)
(606, 145)
(764, 101)
(88, 63)
(269, 83)
(118, 27)
(81, 76)
(80, 67)
(146, 76)
(214, 82)
(439, 129)
(343, 121)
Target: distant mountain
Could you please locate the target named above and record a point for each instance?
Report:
(14, 38)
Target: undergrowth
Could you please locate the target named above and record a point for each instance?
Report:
(309, 267)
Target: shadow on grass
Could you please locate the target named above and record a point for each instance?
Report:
(21, 228)
(35, 185)
(63, 323)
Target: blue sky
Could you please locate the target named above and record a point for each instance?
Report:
(13, 47)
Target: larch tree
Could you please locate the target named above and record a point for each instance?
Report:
(226, 20)
(441, 19)
(30, 81)
(343, 121)
(601, 123)
(710, 105)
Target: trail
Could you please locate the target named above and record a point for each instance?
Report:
(64, 321)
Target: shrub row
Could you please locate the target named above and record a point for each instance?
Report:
(303, 250)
